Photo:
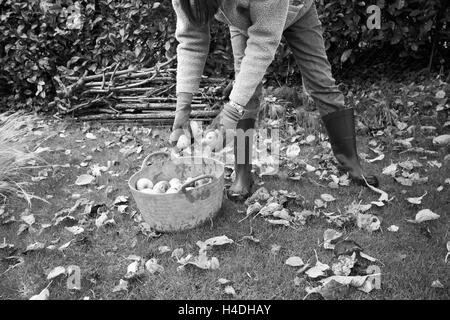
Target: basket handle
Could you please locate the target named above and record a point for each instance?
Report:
(187, 184)
(144, 163)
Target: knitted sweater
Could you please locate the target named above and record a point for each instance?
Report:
(263, 21)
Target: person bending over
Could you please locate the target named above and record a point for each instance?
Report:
(256, 28)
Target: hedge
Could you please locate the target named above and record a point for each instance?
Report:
(41, 40)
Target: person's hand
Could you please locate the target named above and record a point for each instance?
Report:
(182, 113)
(228, 117)
(222, 129)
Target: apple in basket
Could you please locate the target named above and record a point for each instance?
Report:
(183, 142)
(144, 183)
(175, 183)
(161, 187)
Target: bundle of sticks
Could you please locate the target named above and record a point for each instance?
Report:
(133, 95)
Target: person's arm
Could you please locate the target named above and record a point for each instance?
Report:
(264, 35)
(192, 51)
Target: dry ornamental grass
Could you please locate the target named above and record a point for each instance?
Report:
(14, 154)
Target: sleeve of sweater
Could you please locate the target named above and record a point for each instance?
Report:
(192, 51)
(264, 35)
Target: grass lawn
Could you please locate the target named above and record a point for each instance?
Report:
(411, 258)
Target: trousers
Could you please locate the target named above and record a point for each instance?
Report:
(305, 39)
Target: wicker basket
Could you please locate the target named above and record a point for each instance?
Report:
(188, 208)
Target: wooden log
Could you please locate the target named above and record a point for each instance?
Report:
(118, 73)
(195, 99)
(156, 80)
(154, 106)
(121, 90)
(155, 116)
(153, 122)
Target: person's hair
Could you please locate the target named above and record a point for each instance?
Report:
(200, 12)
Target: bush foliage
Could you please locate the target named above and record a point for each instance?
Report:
(43, 39)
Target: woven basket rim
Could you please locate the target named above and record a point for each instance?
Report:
(131, 186)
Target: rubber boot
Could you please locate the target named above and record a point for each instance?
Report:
(340, 126)
(242, 185)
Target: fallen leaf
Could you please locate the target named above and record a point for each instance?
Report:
(354, 281)
(401, 125)
(177, 253)
(122, 286)
(120, 200)
(448, 253)
(366, 256)
(29, 219)
(331, 290)
(379, 158)
(390, 170)
(330, 236)
(65, 246)
(283, 214)
(435, 164)
(384, 197)
(153, 267)
(346, 247)
(368, 222)
(298, 281)
(44, 295)
(134, 257)
(84, 180)
(56, 272)
(406, 143)
(223, 281)
(417, 200)
(437, 284)
(393, 228)
(270, 208)
(22, 228)
(254, 208)
(293, 151)
(294, 262)
(404, 181)
(100, 221)
(410, 164)
(134, 269)
(216, 241)
(424, 215)
(202, 262)
(230, 290)
(320, 204)
(443, 140)
(440, 94)
(163, 249)
(311, 138)
(35, 247)
(327, 197)
(318, 270)
(344, 265)
(90, 136)
(76, 230)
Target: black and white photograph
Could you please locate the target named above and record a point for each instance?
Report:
(227, 156)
